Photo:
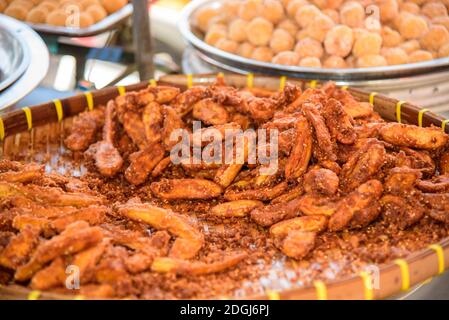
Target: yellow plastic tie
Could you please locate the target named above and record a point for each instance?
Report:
(29, 117)
(78, 297)
(59, 109)
(321, 290)
(153, 83)
(443, 124)
(371, 97)
(399, 111)
(121, 90)
(405, 274)
(440, 254)
(89, 100)
(189, 80)
(420, 116)
(312, 84)
(220, 75)
(34, 295)
(250, 80)
(344, 88)
(2, 129)
(282, 82)
(367, 285)
(273, 295)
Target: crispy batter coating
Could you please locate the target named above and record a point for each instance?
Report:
(142, 164)
(273, 213)
(299, 158)
(238, 208)
(84, 128)
(339, 122)
(185, 189)
(19, 248)
(322, 181)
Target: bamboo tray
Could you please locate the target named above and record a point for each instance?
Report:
(19, 129)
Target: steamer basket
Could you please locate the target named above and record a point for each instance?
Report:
(21, 130)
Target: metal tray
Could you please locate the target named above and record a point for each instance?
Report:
(104, 25)
(223, 59)
(14, 51)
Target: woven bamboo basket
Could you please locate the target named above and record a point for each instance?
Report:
(21, 130)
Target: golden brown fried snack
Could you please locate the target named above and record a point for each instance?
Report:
(189, 240)
(142, 164)
(84, 128)
(364, 217)
(413, 136)
(210, 112)
(317, 223)
(362, 165)
(364, 196)
(401, 180)
(297, 244)
(40, 224)
(437, 184)
(321, 181)
(159, 94)
(135, 128)
(262, 194)
(178, 266)
(172, 121)
(152, 119)
(273, 213)
(173, 189)
(443, 164)
(94, 215)
(23, 173)
(291, 194)
(339, 122)
(51, 276)
(239, 208)
(403, 212)
(77, 237)
(19, 249)
(184, 102)
(301, 152)
(313, 204)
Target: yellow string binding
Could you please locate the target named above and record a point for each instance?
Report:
(121, 90)
(2, 129)
(89, 100)
(420, 116)
(399, 111)
(367, 285)
(405, 274)
(34, 295)
(321, 290)
(78, 297)
(273, 295)
(153, 83)
(59, 109)
(371, 97)
(443, 124)
(440, 254)
(29, 117)
(312, 84)
(220, 75)
(344, 88)
(250, 80)
(282, 82)
(189, 80)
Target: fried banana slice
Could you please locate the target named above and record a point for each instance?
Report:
(183, 103)
(324, 148)
(321, 181)
(262, 194)
(84, 128)
(94, 215)
(51, 276)
(135, 128)
(161, 167)
(40, 224)
(365, 195)
(312, 204)
(19, 249)
(142, 164)
(441, 216)
(152, 119)
(87, 260)
(77, 237)
(25, 173)
(307, 223)
(239, 208)
(159, 94)
(401, 180)
(268, 215)
(413, 136)
(403, 212)
(301, 152)
(420, 159)
(297, 244)
(189, 241)
(183, 267)
(226, 174)
(210, 112)
(438, 184)
(364, 217)
(339, 122)
(172, 121)
(443, 164)
(174, 189)
(362, 165)
(291, 194)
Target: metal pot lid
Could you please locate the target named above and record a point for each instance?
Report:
(194, 37)
(14, 51)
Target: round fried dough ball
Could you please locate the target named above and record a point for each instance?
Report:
(48, 4)
(410, 46)
(434, 38)
(410, 7)
(230, 9)
(444, 51)
(112, 6)
(373, 25)
(327, 4)
(334, 62)
(19, 13)
(419, 56)
(288, 58)
(302, 34)
(37, 15)
(57, 18)
(352, 14)
(309, 47)
(237, 29)
(97, 12)
(281, 41)
(333, 14)
(367, 44)
(339, 41)
(390, 37)
(204, 16)
(289, 25)
(443, 21)
(245, 50)
(273, 11)
(85, 20)
(310, 62)
(319, 27)
(259, 31)
(389, 9)
(227, 45)
(26, 4)
(395, 56)
(371, 60)
(293, 7)
(434, 9)
(306, 15)
(215, 33)
(262, 54)
(87, 3)
(412, 27)
(250, 9)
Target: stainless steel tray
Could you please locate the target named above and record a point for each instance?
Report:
(224, 59)
(14, 51)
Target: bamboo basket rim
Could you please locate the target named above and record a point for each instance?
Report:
(404, 273)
